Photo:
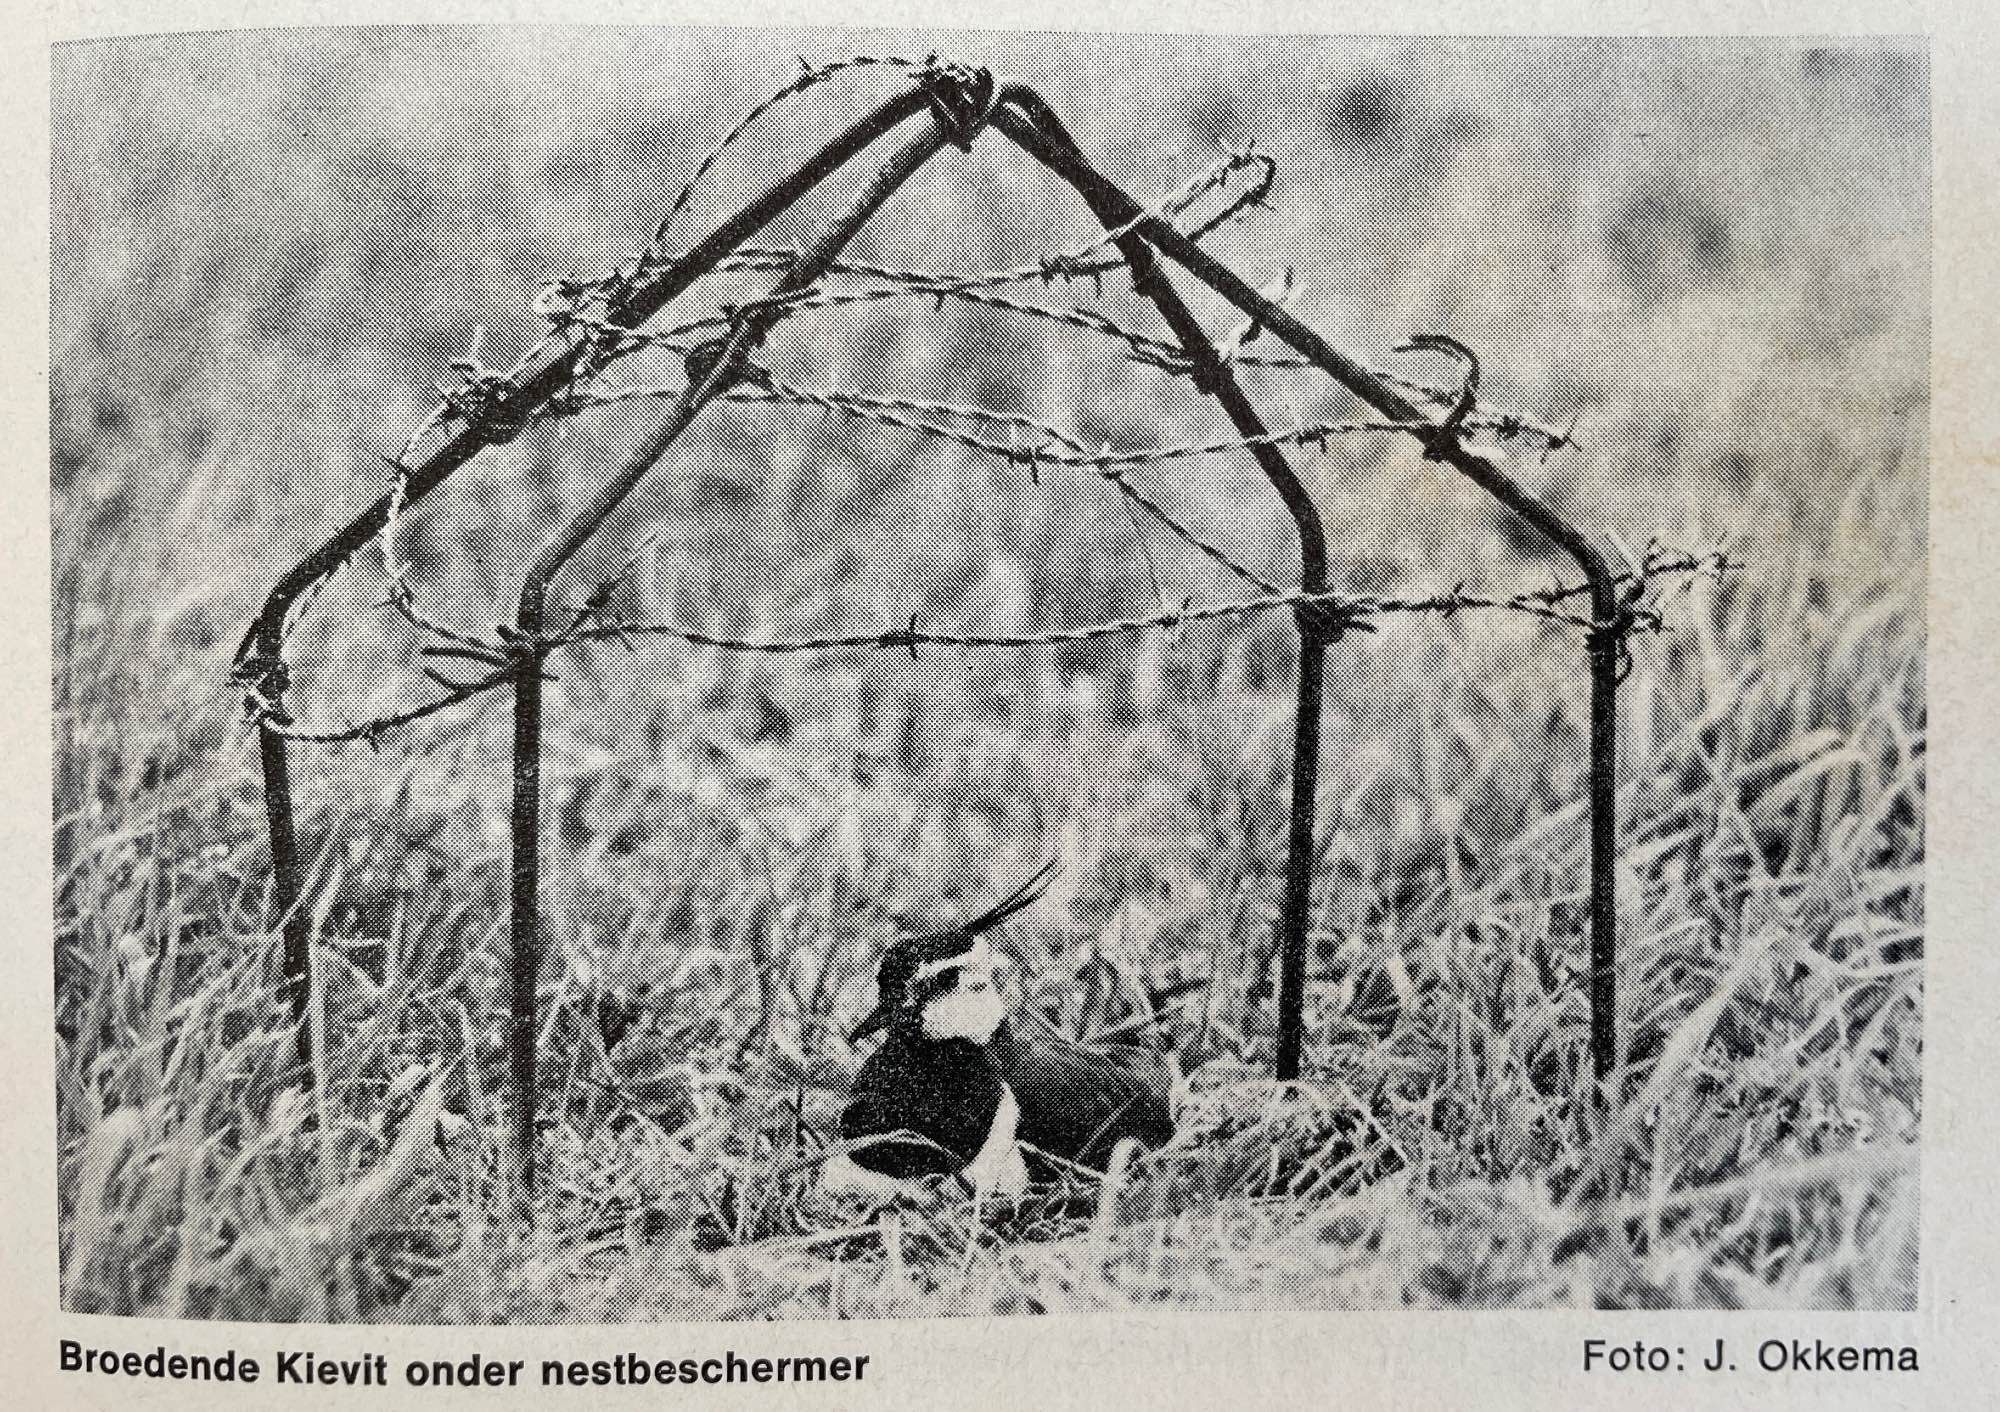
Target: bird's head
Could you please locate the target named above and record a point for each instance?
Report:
(944, 985)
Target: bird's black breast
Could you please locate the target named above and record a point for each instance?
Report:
(945, 1091)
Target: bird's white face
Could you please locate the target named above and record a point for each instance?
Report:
(972, 1009)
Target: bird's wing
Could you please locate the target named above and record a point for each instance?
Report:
(1077, 1101)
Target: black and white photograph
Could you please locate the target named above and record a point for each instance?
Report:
(837, 674)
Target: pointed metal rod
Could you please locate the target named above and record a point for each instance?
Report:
(1023, 121)
(260, 660)
(1212, 375)
(706, 381)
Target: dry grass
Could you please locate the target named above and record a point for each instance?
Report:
(745, 834)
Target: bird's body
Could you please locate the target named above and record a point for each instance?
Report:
(1079, 1101)
(958, 1087)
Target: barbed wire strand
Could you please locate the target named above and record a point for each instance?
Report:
(1068, 265)
(910, 415)
(1139, 346)
(810, 74)
(1352, 610)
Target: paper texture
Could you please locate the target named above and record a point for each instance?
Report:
(869, 708)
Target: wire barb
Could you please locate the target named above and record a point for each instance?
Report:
(1330, 616)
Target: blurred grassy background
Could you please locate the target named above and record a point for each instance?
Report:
(1713, 256)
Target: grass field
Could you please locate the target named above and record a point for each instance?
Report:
(1715, 257)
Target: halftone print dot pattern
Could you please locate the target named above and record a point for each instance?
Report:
(1694, 275)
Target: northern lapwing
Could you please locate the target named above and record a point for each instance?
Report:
(958, 1087)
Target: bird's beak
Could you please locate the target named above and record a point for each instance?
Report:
(878, 1019)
